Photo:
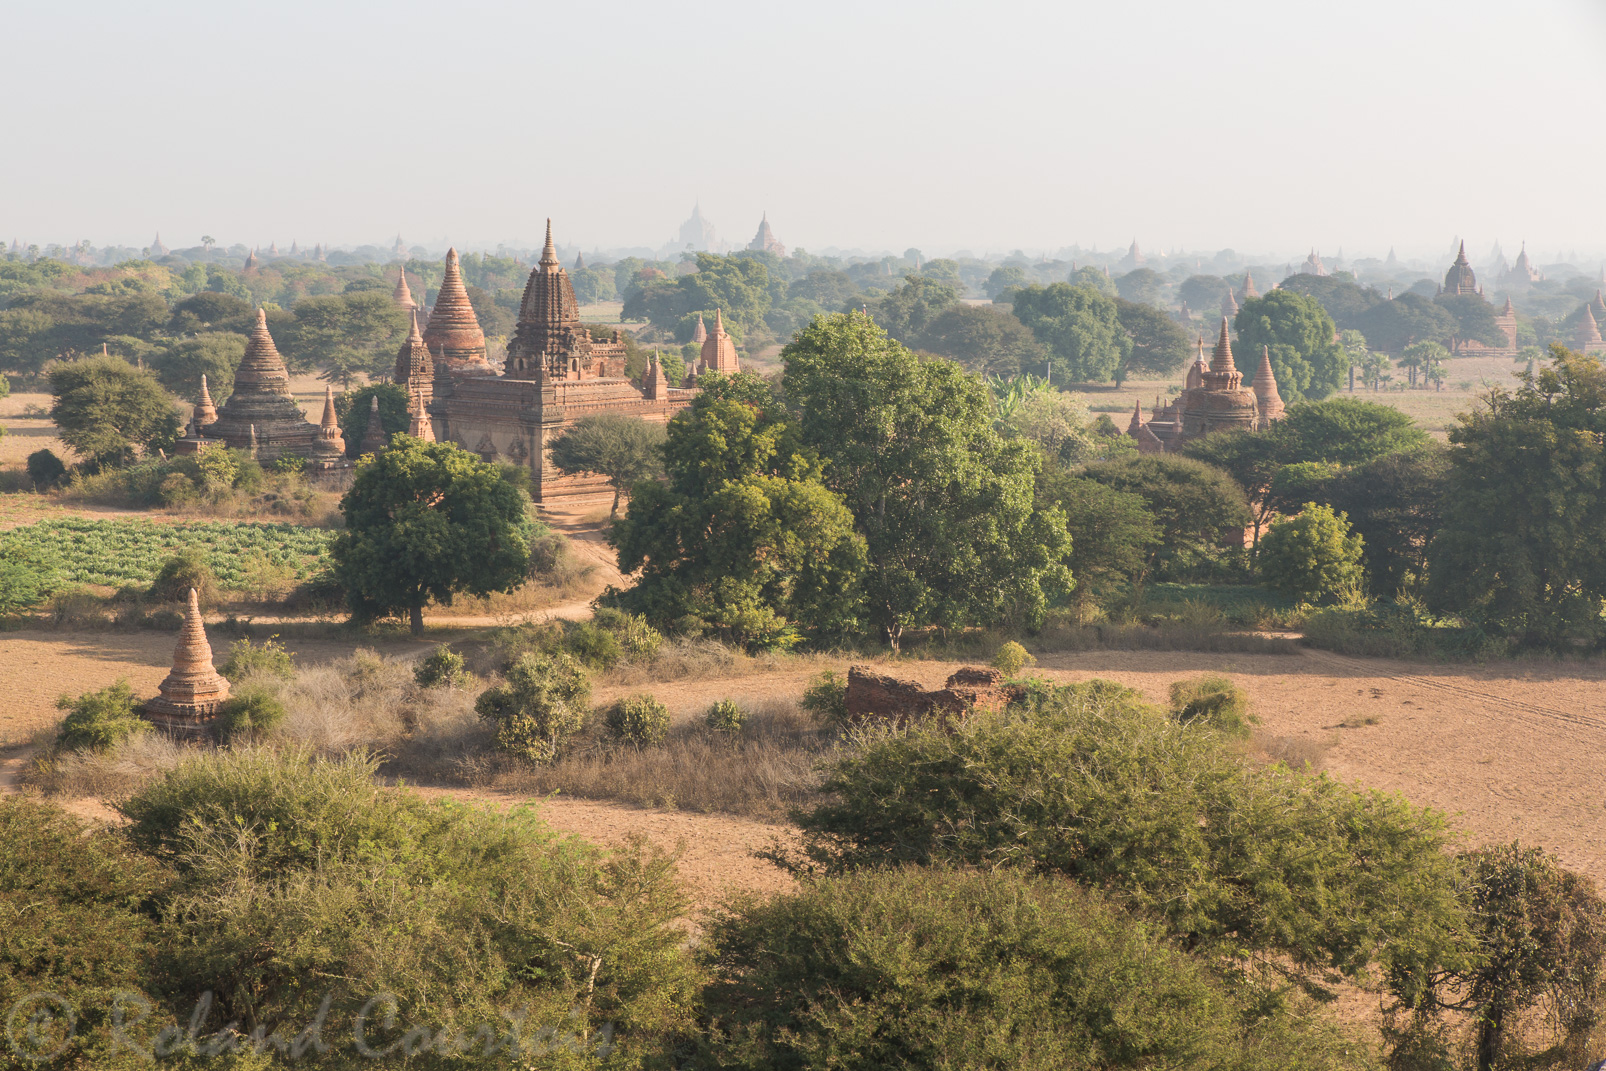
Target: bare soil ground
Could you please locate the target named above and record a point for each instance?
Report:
(1511, 750)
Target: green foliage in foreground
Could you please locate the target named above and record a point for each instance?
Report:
(1237, 860)
(99, 721)
(72, 922)
(940, 969)
(459, 913)
(73, 550)
(1215, 701)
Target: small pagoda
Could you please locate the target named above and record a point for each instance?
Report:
(189, 696)
(261, 414)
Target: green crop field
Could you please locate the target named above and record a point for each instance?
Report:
(79, 551)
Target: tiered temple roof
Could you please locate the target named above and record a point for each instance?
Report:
(453, 333)
(719, 350)
(261, 412)
(157, 248)
(413, 360)
(699, 334)
(1248, 292)
(1460, 279)
(1229, 305)
(329, 451)
(1221, 400)
(765, 241)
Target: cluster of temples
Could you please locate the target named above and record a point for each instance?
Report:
(557, 371)
(1213, 399)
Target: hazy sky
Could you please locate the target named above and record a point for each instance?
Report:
(1265, 125)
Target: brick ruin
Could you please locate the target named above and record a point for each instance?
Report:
(875, 696)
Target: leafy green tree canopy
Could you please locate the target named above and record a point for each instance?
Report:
(105, 408)
(1194, 505)
(1520, 552)
(945, 505)
(1159, 346)
(983, 339)
(1081, 328)
(1298, 332)
(625, 449)
(1313, 556)
(428, 521)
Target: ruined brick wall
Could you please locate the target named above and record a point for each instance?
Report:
(873, 695)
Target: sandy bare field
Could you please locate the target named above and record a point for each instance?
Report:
(1510, 750)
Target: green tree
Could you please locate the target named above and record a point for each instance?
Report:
(345, 335)
(1345, 431)
(540, 706)
(1539, 937)
(1203, 293)
(1243, 863)
(1195, 505)
(910, 310)
(1313, 556)
(625, 449)
(1338, 294)
(743, 538)
(983, 339)
(1081, 328)
(1422, 358)
(945, 505)
(1356, 352)
(1393, 325)
(1474, 319)
(209, 312)
(104, 408)
(1299, 335)
(214, 354)
(1005, 279)
(1159, 347)
(933, 969)
(1093, 279)
(1252, 459)
(1141, 286)
(353, 407)
(1520, 551)
(740, 286)
(1395, 503)
(428, 520)
(1112, 532)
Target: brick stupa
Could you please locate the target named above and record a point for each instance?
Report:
(453, 334)
(261, 400)
(190, 695)
(1268, 402)
(403, 294)
(374, 438)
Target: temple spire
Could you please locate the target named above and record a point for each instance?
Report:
(1221, 360)
(549, 253)
(1267, 400)
(329, 420)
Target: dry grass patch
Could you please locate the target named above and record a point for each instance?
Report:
(701, 659)
(761, 772)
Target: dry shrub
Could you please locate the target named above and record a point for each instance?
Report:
(370, 702)
(115, 772)
(1295, 752)
(688, 659)
(79, 608)
(763, 772)
(1177, 637)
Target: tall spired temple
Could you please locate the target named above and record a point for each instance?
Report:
(1459, 280)
(261, 414)
(1213, 399)
(556, 372)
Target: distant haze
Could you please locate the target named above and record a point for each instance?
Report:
(1262, 125)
